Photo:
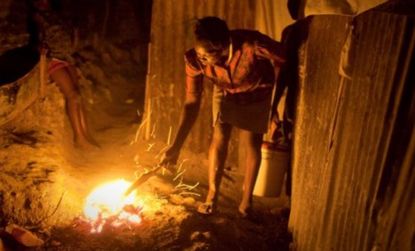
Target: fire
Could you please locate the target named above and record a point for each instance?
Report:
(107, 205)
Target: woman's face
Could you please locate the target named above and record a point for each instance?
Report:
(207, 57)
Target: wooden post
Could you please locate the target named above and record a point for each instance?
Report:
(148, 120)
(147, 103)
(42, 74)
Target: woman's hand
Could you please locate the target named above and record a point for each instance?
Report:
(170, 157)
(274, 128)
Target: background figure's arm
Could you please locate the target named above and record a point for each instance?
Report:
(267, 48)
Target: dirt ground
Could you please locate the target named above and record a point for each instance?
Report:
(45, 178)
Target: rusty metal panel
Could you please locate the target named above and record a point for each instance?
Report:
(345, 132)
(171, 36)
(320, 79)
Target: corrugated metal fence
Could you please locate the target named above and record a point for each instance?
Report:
(353, 163)
(353, 170)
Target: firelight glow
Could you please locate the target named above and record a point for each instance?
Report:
(108, 202)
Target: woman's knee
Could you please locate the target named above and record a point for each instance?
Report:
(221, 136)
(66, 84)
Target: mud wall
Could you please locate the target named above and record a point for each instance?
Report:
(36, 144)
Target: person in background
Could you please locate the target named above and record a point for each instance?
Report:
(53, 36)
(243, 66)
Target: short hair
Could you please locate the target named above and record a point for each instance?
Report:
(212, 33)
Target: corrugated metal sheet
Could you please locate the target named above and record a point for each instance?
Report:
(351, 189)
(171, 36)
(346, 131)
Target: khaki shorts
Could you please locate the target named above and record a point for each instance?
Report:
(252, 117)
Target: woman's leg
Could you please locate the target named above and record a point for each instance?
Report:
(69, 88)
(84, 126)
(253, 142)
(217, 155)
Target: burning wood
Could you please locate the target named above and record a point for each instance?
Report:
(127, 216)
(108, 206)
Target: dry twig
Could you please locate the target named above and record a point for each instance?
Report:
(179, 174)
(181, 165)
(50, 215)
(189, 193)
(169, 136)
(150, 146)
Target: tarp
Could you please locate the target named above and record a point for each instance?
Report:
(304, 8)
(271, 17)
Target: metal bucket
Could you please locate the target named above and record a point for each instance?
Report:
(274, 165)
(19, 82)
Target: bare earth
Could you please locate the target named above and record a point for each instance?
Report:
(45, 179)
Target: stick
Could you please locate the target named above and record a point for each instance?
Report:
(42, 71)
(153, 131)
(169, 137)
(179, 174)
(54, 211)
(181, 165)
(189, 193)
(148, 118)
(186, 187)
(143, 178)
(161, 152)
(149, 147)
(137, 133)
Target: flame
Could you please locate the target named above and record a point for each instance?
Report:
(108, 205)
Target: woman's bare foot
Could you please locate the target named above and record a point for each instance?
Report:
(209, 206)
(245, 210)
(86, 145)
(206, 208)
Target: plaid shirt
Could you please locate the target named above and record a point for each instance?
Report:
(251, 67)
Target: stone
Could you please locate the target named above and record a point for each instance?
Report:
(24, 236)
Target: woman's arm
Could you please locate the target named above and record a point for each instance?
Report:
(189, 114)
